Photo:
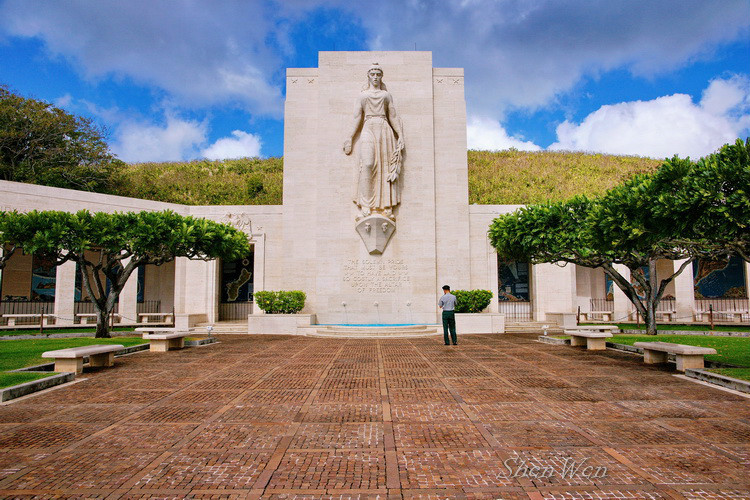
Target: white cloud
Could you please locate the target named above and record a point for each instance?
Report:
(524, 54)
(516, 53)
(665, 126)
(177, 140)
(200, 53)
(487, 134)
(240, 145)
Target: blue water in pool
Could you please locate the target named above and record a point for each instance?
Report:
(374, 324)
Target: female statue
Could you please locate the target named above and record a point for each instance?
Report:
(381, 146)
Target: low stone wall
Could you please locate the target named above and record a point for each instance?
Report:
(278, 324)
(717, 379)
(470, 323)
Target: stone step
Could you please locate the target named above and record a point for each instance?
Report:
(343, 331)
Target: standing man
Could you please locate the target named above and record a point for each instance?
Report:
(448, 304)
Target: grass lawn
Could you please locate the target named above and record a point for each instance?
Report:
(732, 350)
(692, 328)
(13, 333)
(20, 353)
(741, 373)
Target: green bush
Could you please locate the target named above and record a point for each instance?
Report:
(281, 302)
(472, 301)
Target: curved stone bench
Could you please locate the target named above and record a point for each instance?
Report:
(686, 356)
(593, 340)
(71, 359)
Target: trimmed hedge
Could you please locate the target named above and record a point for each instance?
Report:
(281, 302)
(472, 301)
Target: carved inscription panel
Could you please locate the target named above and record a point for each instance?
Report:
(376, 275)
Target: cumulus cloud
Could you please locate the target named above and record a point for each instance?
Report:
(524, 54)
(488, 134)
(665, 126)
(239, 145)
(176, 140)
(516, 53)
(200, 53)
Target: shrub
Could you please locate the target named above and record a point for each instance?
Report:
(281, 302)
(472, 301)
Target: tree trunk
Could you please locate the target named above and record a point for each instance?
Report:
(102, 323)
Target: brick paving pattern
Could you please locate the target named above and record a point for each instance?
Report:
(272, 417)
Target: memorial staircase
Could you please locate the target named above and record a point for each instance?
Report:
(380, 331)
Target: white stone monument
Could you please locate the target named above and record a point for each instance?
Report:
(407, 233)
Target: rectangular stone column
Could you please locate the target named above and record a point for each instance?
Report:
(128, 307)
(684, 292)
(553, 288)
(65, 293)
(623, 308)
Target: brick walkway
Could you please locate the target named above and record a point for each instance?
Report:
(285, 417)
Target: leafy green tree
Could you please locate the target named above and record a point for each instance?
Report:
(618, 228)
(43, 144)
(109, 247)
(34, 232)
(715, 202)
(684, 210)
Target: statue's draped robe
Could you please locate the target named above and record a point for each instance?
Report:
(378, 154)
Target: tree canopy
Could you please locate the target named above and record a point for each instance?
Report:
(684, 210)
(43, 144)
(109, 247)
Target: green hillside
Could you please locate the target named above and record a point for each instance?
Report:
(521, 177)
(503, 177)
(246, 181)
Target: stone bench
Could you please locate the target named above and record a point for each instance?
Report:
(686, 356)
(703, 315)
(85, 317)
(164, 339)
(668, 316)
(71, 359)
(13, 317)
(606, 315)
(594, 341)
(595, 328)
(161, 317)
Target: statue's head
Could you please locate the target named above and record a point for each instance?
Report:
(375, 77)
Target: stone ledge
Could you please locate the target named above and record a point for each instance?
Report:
(717, 379)
(206, 341)
(552, 340)
(16, 391)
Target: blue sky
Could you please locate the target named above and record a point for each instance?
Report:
(179, 79)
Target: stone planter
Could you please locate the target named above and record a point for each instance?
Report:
(278, 324)
(480, 323)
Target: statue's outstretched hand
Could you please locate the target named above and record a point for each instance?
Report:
(348, 147)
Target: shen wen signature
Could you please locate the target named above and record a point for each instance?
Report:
(569, 468)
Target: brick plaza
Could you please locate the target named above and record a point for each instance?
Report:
(499, 416)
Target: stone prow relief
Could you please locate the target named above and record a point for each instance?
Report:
(380, 158)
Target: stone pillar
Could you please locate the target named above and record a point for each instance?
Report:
(195, 291)
(553, 288)
(65, 293)
(684, 292)
(623, 308)
(128, 307)
(258, 242)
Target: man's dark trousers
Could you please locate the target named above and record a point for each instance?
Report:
(449, 323)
